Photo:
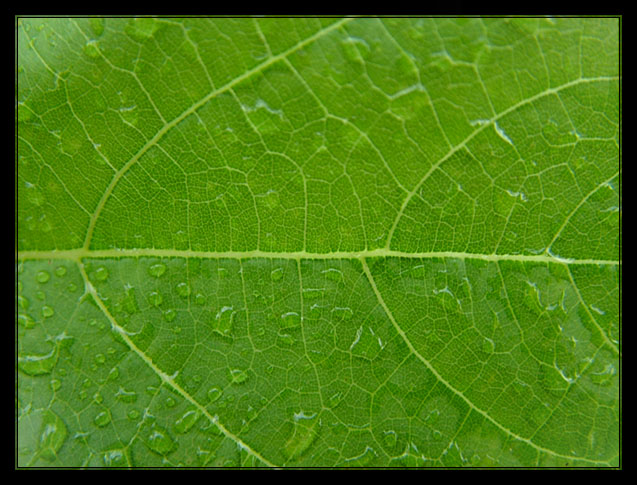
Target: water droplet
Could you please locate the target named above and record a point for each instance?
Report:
(40, 295)
(183, 289)
(214, 393)
(159, 441)
(475, 460)
(157, 270)
(71, 288)
(343, 313)
(155, 298)
(102, 419)
(200, 299)
(169, 315)
(432, 417)
(115, 458)
(123, 395)
(101, 273)
(605, 376)
(170, 402)
(23, 302)
(488, 346)
(55, 384)
(303, 434)
(35, 365)
(437, 434)
(133, 414)
(25, 320)
(355, 49)
(24, 113)
(312, 293)
(286, 339)
(152, 390)
(60, 271)
(187, 421)
(97, 25)
(83, 394)
(100, 358)
(98, 398)
(335, 400)
(333, 274)
(237, 376)
(390, 439)
(113, 374)
(271, 199)
(224, 320)
(43, 277)
(276, 274)
(290, 320)
(91, 49)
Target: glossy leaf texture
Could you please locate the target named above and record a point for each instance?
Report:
(323, 242)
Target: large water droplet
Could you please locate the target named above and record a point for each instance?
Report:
(41, 432)
(25, 320)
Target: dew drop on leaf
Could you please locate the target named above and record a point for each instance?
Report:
(43, 277)
(157, 270)
(102, 419)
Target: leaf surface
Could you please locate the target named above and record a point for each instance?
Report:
(318, 242)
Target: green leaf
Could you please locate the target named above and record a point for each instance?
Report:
(318, 242)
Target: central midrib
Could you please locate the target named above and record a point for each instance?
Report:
(81, 253)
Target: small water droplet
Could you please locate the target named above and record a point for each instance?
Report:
(224, 320)
(100, 358)
(335, 400)
(25, 320)
(237, 376)
(343, 313)
(159, 441)
(102, 419)
(123, 395)
(40, 295)
(71, 288)
(98, 398)
(333, 274)
(488, 346)
(43, 277)
(390, 439)
(187, 421)
(183, 289)
(155, 298)
(55, 384)
(101, 273)
(169, 315)
(91, 49)
(23, 302)
(200, 299)
(286, 339)
(35, 365)
(214, 393)
(157, 270)
(170, 402)
(60, 271)
(290, 320)
(133, 414)
(276, 274)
